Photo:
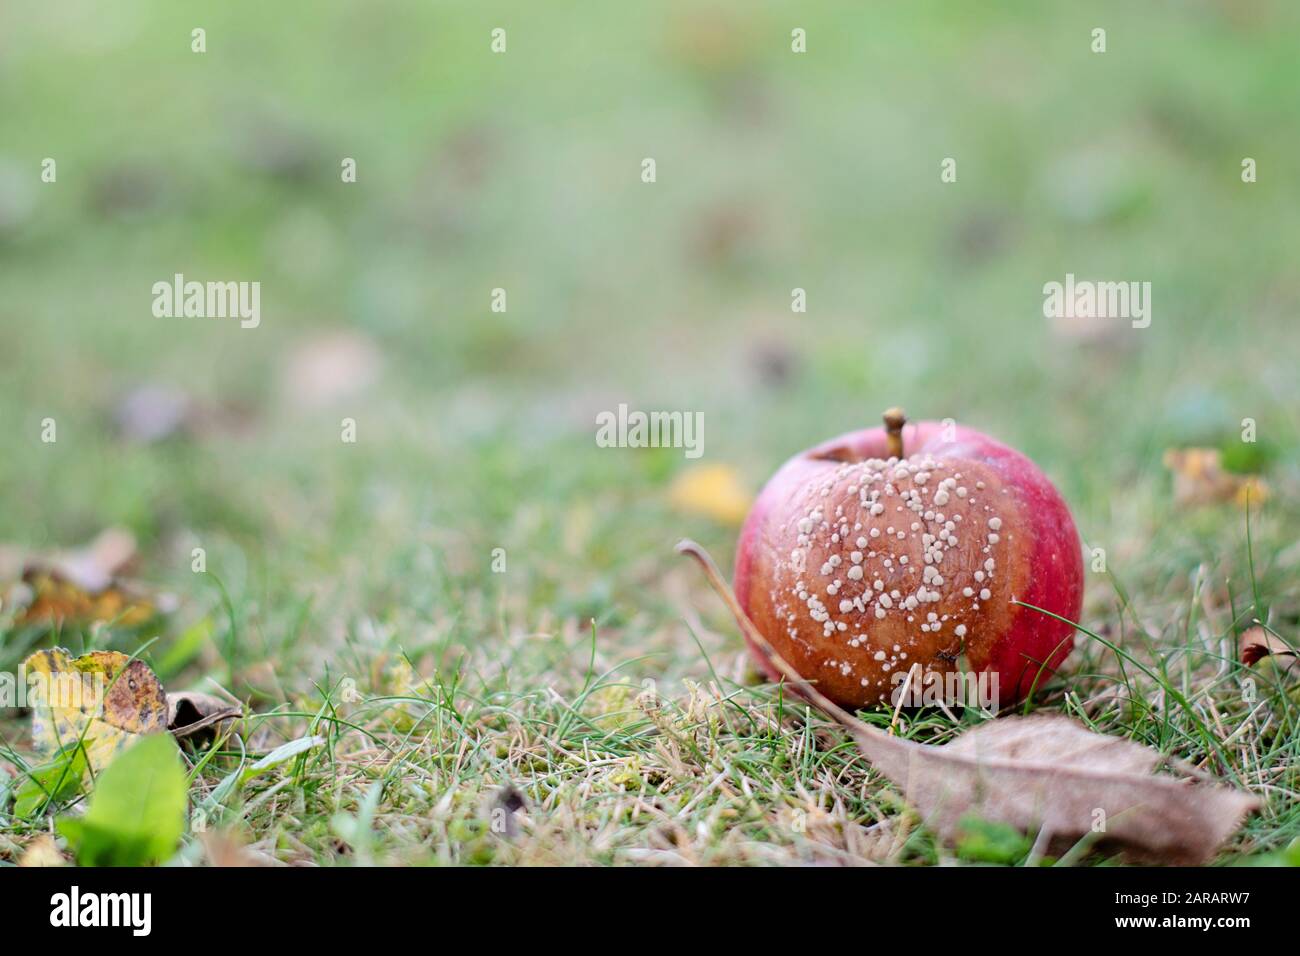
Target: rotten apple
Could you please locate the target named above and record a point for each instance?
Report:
(911, 549)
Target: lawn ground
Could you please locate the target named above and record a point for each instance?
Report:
(594, 689)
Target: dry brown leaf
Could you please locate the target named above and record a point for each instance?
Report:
(96, 565)
(1041, 773)
(191, 712)
(1200, 479)
(82, 584)
(54, 600)
(1258, 643)
(1067, 782)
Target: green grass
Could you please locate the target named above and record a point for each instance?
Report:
(644, 737)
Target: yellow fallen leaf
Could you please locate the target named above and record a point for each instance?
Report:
(1252, 489)
(714, 491)
(1200, 479)
(103, 699)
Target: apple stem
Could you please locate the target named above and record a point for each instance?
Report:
(895, 419)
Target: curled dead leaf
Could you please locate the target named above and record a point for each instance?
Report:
(1258, 643)
(192, 713)
(1043, 773)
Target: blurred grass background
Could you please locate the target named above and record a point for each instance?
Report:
(522, 171)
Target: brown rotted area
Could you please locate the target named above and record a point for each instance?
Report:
(888, 629)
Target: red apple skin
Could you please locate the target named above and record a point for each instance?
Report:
(1038, 562)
